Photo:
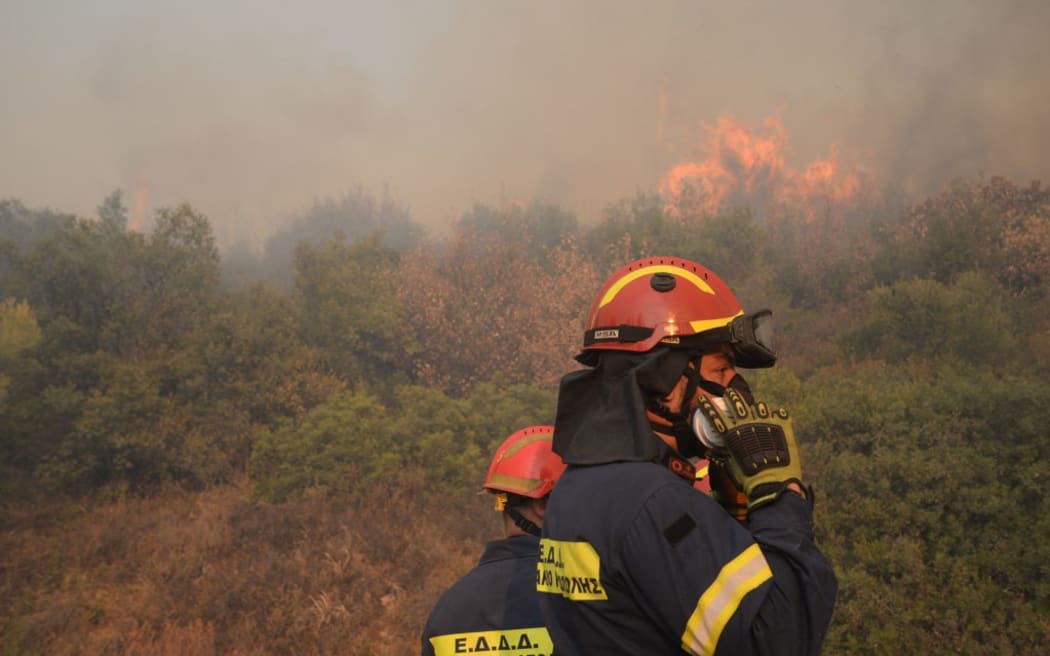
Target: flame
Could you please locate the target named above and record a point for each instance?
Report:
(744, 167)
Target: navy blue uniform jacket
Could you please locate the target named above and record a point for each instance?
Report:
(633, 560)
(494, 608)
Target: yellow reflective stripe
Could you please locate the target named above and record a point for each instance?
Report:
(711, 324)
(649, 270)
(527, 440)
(519, 483)
(702, 472)
(718, 603)
(508, 642)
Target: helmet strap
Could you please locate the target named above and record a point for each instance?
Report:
(737, 383)
(523, 522)
(681, 428)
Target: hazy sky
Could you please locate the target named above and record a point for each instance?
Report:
(252, 109)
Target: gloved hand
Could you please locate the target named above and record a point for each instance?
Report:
(760, 454)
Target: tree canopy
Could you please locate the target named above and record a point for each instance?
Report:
(914, 339)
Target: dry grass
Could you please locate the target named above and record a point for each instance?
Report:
(217, 573)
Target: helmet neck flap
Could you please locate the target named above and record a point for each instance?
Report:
(602, 410)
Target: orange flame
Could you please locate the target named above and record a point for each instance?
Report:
(741, 167)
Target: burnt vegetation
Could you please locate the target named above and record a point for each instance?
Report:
(258, 454)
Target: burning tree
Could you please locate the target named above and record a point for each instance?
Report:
(740, 167)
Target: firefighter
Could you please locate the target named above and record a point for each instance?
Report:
(495, 608)
(633, 558)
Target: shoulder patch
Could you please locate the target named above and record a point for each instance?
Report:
(679, 528)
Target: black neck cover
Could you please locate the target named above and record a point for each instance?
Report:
(602, 410)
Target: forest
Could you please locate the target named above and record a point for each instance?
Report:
(241, 452)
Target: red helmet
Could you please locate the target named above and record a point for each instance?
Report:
(671, 301)
(525, 464)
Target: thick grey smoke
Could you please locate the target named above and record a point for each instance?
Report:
(250, 110)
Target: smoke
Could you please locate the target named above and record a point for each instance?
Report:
(251, 110)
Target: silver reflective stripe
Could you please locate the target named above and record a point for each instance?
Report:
(718, 603)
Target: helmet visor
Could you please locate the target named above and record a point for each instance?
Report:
(751, 339)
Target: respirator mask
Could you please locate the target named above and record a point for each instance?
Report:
(710, 440)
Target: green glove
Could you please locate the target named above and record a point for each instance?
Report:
(760, 454)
